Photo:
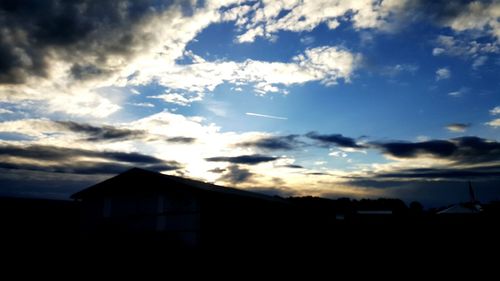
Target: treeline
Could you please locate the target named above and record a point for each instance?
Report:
(347, 205)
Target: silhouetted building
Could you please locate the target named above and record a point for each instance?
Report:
(180, 210)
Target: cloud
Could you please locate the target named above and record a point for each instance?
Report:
(443, 73)
(79, 161)
(324, 64)
(288, 142)
(481, 172)
(181, 140)
(398, 69)
(271, 17)
(142, 104)
(459, 93)
(77, 58)
(476, 16)
(457, 127)
(217, 170)
(335, 139)
(478, 62)
(6, 111)
(440, 148)
(293, 166)
(235, 175)
(475, 50)
(495, 110)
(180, 99)
(101, 133)
(63, 57)
(463, 150)
(266, 116)
(243, 159)
(494, 123)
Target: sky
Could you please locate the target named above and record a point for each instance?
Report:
(359, 99)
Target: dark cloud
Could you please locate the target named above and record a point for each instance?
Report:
(334, 139)
(217, 171)
(464, 150)
(104, 133)
(236, 175)
(478, 172)
(317, 174)
(85, 32)
(440, 11)
(244, 159)
(42, 184)
(293, 166)
(274, 143)
(184, 140)
(440, 148)
(78, 161)
(84, 72)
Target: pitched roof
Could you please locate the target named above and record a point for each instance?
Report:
(139, 181)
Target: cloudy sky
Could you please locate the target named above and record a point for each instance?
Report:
(364, 99)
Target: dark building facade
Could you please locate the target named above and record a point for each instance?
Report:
(182, 211)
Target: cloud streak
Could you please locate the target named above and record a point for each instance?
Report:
(79, 161)
(335, 139)
(244, 159)
(289, 142)
(265, 116)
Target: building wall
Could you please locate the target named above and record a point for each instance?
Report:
(174, 215)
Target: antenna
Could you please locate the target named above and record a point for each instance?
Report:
(472, 194)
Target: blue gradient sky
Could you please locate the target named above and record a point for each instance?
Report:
(137, 79)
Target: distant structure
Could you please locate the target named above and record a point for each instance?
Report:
(471, 207)
(180, 210)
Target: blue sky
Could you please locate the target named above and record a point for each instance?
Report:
(325, 98)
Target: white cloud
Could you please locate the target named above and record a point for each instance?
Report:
(338, 154)
(163, 38)
(459, 93)
(305, 15)
(307, 40)
(394, 70)
(478, 16)
(159, 39)
(325, 64)
(495, 110)
(180, 99)
(479, 62)
(494, 123)
(265, 116)
(142, 104)
(135, 92)
(457, 127)
(438, 51)
(456, 46)
(443, 73)
(5, 111)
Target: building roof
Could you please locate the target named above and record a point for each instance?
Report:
(139, 181)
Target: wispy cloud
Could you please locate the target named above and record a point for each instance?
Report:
(5, 111)
(443, 73)
(266, 116)
(457, 127)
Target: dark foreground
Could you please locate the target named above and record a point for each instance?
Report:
(48, 232)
